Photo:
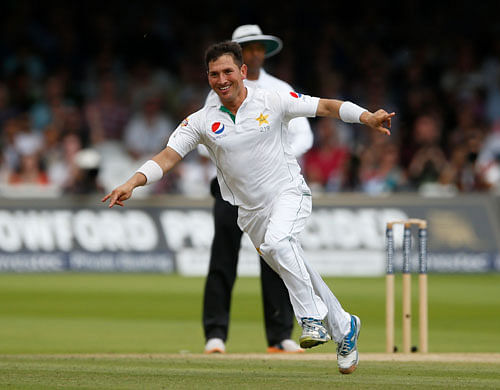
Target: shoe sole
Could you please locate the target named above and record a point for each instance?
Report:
(309, 342)
(351, 369)
(215, 350)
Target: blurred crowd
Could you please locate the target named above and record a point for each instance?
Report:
(90, 91)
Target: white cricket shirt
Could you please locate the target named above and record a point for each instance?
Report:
(251, 151)
(301, 136)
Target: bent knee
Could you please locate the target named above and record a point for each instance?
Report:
(275, 247)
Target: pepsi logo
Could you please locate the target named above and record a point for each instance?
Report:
(217, 127)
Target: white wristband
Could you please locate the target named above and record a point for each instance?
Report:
(152, 171)
(350, 112)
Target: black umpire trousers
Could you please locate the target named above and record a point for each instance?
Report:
(278, 311)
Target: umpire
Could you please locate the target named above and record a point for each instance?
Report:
(278, 313)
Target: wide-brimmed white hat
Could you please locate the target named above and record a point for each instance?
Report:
(252, 33)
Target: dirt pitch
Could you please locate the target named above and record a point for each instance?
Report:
(373, 357)
(381, 357)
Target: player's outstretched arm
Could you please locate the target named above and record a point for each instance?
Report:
(124, 191)
(153, 170)
(351, 113)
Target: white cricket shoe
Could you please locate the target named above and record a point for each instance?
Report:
(215, 345)
(313, 333)
(285, 346)
(347, 349)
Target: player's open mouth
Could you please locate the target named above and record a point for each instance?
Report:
(223, 89)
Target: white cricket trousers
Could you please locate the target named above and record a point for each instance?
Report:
(274, 231)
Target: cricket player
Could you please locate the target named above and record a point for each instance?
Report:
(245, 132)
(226, 243)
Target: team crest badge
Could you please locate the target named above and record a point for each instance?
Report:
(296, 95)
(262, 119)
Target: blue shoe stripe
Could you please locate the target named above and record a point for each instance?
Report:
(350, 339)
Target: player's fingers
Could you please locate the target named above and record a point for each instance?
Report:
(106, 198)
(384, 130)
(114, 199)
(123, 197)
(386, 118)
(386, 115)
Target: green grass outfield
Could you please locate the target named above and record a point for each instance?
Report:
(144, 331)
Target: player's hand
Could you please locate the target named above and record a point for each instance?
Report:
(379, 120)
(119, 195)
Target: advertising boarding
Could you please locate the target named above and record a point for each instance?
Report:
(345, 235)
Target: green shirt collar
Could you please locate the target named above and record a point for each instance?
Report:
(222, 108)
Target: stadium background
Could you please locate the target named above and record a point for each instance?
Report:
(89, 69)
(88, 91)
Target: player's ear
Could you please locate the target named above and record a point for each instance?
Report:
(243, 71)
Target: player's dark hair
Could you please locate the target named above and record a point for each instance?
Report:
(219, 49)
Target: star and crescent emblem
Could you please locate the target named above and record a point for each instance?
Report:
(262, 119)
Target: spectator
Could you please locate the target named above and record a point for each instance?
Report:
(53, 107)
(10, 157)
(380, 171)
(195, 176)
(60, 157)
(30, 169)
(13, 130)
(148, 128)
(462, 77)
(106, 114)
(325, 163)
(86, 175)
(145, 77)
(107, 61)
(488, 161)
(427, 159)
(461, 171)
